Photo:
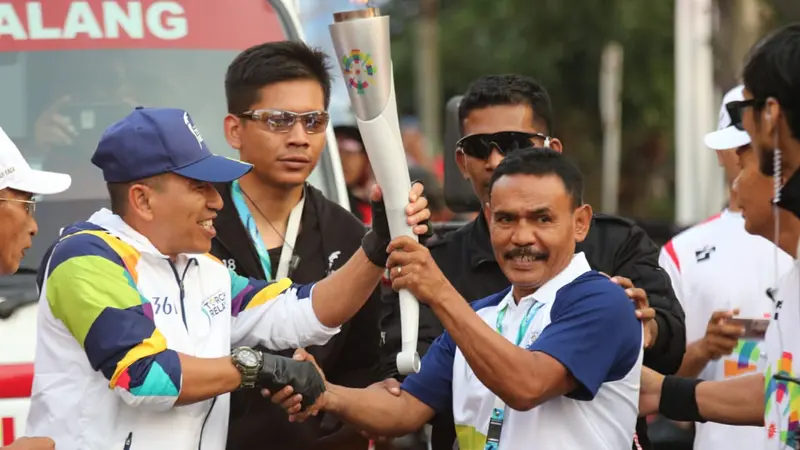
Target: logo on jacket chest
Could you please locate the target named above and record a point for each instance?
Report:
(704, 254)
(214, 305)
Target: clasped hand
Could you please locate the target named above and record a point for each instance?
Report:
(293, 402)
(412, 267)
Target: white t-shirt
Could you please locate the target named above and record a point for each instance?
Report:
(584, 321)
(782, 406)
(717, 265)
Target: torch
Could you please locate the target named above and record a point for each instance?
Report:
(361, 41)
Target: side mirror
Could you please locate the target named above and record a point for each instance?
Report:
(458, 193)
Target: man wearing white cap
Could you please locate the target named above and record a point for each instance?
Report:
(718, 271)
(18, 184)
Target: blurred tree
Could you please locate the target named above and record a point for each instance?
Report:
(559, 43)
(780, 12)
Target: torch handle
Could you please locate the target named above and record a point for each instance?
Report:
(408, 360)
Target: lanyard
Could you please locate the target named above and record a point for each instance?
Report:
(498, 413)
(292, 230)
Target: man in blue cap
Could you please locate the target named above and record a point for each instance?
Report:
(137, 318)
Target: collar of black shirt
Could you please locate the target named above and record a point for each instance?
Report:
(480, 245)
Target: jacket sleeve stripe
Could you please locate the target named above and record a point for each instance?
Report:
(240, 287)
(266, 293)
(95, 296)
(115, 250)
(153, 345)
(670, 249)
(82, 288)
(156, 375)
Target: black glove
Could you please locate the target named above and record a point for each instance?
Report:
(378, 237)
(279, 371)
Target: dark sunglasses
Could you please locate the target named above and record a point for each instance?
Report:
(283, 121)
(482, 145)
(735, 109)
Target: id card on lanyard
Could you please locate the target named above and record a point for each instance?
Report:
(499, 410)
(292, 230)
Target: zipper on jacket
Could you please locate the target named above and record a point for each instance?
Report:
(180, 279)
(203, 428)
(128, 441)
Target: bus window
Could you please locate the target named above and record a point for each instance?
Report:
(70, 68)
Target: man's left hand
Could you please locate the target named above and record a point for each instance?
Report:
(643, 310)
(411, 267)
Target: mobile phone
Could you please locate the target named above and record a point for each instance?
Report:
(753, 328)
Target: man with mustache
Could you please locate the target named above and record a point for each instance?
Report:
(552, 362)
(498, 115)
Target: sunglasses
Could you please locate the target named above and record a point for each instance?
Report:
(283, 121)
(735, 109)
(481, 146)
(30, 205)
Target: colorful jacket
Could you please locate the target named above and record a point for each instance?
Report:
(113, 315)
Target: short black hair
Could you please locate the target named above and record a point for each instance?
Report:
(118, 192)
(273, 62)
(507, 89)
(542, 161)
(773, 70)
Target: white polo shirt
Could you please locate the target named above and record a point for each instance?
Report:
(718, 265)
(584, 321)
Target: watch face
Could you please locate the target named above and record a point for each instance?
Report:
(247, 358)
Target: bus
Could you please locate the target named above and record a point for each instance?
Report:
(69, 69)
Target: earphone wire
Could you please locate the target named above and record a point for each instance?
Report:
(776, 185)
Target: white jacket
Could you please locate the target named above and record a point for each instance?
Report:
(114, 312)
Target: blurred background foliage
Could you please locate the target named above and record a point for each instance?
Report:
(555, 42)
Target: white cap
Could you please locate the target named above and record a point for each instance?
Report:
(728, 136)
(15, 173)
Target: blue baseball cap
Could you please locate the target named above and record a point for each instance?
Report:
(152, 141)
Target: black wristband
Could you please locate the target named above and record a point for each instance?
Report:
(375, 248)
(678, 400)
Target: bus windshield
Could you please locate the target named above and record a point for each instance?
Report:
(71, 68)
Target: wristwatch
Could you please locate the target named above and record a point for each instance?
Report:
(249, 363)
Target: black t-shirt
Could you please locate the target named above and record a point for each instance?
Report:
(329, 235)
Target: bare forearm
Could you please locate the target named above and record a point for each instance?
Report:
(338, 297)
(738, 401)
(694, 360)
(485, 350)
(205, 378)
(377, 411)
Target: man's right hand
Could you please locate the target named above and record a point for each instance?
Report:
(721, 336)
(32, 443)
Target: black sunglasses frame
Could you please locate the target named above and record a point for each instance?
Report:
(735, 109)
(481, 146)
